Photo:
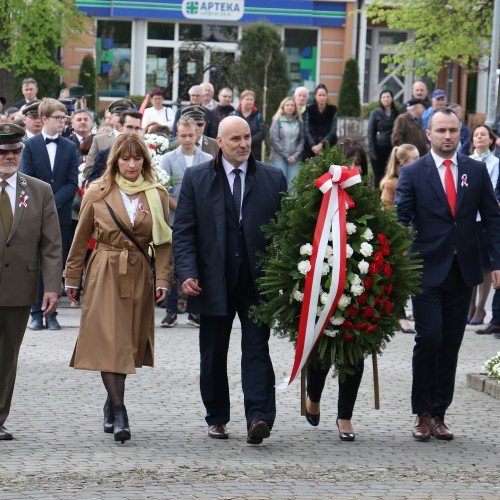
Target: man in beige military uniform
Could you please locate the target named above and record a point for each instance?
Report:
(30, 242)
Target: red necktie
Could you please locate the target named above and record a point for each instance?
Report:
(449, 183)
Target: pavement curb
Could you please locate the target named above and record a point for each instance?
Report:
(483, 383)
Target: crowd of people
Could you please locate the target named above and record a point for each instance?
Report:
(139, 244)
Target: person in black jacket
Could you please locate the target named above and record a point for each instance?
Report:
(379, 133)
(320, 123)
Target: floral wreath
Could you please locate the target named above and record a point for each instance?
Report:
(380, 275)
(158, 146)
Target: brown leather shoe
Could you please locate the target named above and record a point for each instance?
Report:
(5, 435)
(218, 431)
(422, 428)
(439, 429)
(258, 431)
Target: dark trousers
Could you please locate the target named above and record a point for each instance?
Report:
(348, 390)
(13, 321)
(67, 238)
(257, 374)
(379, 165)
(440, 318)
(495, 308)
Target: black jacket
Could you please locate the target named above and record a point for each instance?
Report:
(380, 129)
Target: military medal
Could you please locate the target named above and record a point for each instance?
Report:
(23, 182)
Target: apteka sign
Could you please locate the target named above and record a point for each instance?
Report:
(230, 10)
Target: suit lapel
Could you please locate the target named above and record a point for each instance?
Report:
(59, 152)
(115, 201)
(43, 151)
(217, 198)
(141, 214)
(435, 181)
(460, 189)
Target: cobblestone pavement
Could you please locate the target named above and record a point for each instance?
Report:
(61, 452)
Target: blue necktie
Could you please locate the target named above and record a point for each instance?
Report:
(237, 191)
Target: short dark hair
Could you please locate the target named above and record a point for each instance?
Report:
(446, 111)
(492, 135)
(132, 113)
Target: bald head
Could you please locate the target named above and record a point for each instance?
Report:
(234, 139)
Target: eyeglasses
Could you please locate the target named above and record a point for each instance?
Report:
(132, 128)
(59, 118)
(32, 116)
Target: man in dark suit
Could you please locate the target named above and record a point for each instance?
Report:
(222, 207)
(29, 88)
(30, 240)
(81, 124)
(440, 195)
(53, 159)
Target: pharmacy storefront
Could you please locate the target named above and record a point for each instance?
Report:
(174, 44)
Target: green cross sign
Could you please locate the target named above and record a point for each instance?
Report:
(192, 7)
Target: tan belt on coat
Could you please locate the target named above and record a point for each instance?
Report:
(125, 277)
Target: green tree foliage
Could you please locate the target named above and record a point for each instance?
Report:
(86, 78)
(349, 102)
(444, 31)
(34, 32)
(260, 48)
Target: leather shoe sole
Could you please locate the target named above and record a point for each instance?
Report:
(489, 330)
(218, 431)
(5, 435)
(259, 430)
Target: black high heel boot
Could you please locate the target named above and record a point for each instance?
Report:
(121, 427)
(109, 417)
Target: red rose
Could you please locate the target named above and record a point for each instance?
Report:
(347, 324)
(389, 288)
(382, 288)
(362, 299)
(388, 307)
(369, 311)
(386, 250)
(371, 329)
(353, 311)
(373, 319)
(368, 282)
(382, 238)
(387, 269)
(378, 258)
(361, 326)
(347, 337)
(374, 269)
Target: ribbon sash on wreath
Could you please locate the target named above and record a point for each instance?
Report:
(331, 219)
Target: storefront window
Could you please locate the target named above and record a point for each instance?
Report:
(190, 70)
(159, 69)
(113, 48)
(300, 48)
(161, 31)
(208, 33)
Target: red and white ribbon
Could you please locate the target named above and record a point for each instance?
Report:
(331, 219)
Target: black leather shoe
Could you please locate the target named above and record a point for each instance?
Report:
(121, 428)
(258, 431)
(5, 435)
(36, 323)
(218, 431)
(496, 335)
(345, 436)
(52, 323)
(491, 328)
(312, 419)
(109, 417)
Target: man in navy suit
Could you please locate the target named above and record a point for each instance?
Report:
(222, 206)
(440, 195)
(53, 159)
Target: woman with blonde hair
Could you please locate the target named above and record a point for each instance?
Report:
(125, 211)
(287, 138)
(400, 156)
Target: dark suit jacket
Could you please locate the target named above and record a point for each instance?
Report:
(200, 226)
(63, 179)
(421, 201)
(210, 127)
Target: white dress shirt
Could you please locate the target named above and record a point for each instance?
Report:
(11, 191)
(51, 148)
(442, 168)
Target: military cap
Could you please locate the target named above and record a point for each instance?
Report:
(69, 104)
(77, 91)
(11, 136)
(414, 102)
(31, 108)
(121, 105)
(195, 112)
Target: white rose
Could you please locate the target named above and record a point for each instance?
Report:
(363, 267)
(306, 249)
(366, 249)
(337, 321)
(349, 251)
(356, 280)
(325, 270)
(324, 298)
(368, 234)
(298, 296)
(357, 290)
(344, 300)
(330, 237)
(350, 228)
(331, 259)
(319, 311)
(331, 333)
(328, 251)
(304, 267)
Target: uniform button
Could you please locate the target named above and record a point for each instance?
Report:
(236, 254)
(8, 245)
(6, 265)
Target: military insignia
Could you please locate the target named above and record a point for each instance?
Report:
(6, 129)
(23, 182)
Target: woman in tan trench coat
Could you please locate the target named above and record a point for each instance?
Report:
(117, 322)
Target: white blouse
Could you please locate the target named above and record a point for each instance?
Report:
(131, 206)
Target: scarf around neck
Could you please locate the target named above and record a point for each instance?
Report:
(161, 230)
